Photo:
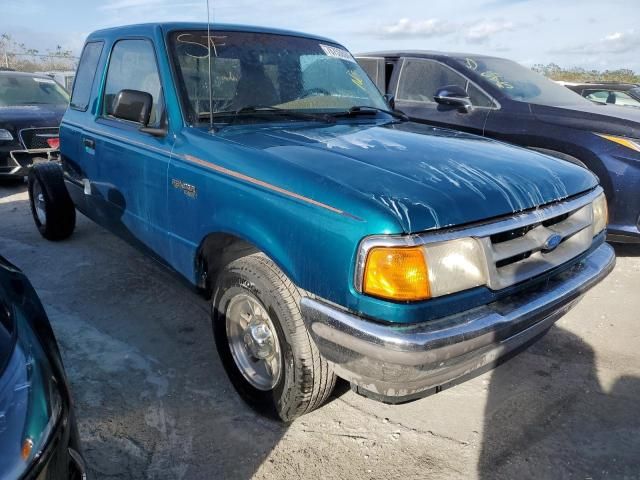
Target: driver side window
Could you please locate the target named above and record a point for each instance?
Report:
(420, 80)
(133, 66)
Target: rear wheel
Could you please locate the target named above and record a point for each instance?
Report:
(53, 211)
(263, 342)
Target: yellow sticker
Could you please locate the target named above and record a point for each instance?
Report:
(357, 80)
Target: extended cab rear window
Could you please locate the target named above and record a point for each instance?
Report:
(85, 76)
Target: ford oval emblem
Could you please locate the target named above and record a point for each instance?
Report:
(552, 243)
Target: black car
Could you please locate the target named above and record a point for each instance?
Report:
(31, 107)
(38, 433)
(624, 94)
(501, 99)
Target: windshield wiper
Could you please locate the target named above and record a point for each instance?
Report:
(266, 110)
(368, 110)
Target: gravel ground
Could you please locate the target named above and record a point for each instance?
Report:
(153, 401)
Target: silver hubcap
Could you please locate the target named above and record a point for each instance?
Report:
(253, 341)
(39, 203)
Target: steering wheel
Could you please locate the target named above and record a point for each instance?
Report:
(314, 92)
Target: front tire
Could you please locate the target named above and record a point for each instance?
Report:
(263, 343)
(53, 210)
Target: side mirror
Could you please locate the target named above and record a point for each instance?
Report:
(454, 96)
(391, 100)
(133, 105)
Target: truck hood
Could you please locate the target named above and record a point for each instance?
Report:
(425, 177)
(599, 118)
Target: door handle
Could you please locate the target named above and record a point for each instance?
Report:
(89, 143)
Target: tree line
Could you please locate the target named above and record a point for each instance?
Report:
(17, 56)
(579, 75)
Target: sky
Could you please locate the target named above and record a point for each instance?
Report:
(584, 33)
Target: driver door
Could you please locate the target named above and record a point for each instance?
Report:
(418, 82)
(130, 181)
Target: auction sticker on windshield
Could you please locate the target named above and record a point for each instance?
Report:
(337, 53)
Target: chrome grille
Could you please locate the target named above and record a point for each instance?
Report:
(36, 138)
(524, 254)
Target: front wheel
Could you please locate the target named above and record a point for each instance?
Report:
(263, 342)
(53, 211)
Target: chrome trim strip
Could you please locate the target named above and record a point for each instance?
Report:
(78, 462)
(34, 150)
(255, 181)
(484, 229)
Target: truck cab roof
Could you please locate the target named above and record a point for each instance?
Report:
(149, 28)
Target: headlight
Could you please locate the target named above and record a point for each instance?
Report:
(30, 404)
(600, 214)
(624, 141)
(455, 265)
(5, 135)
(423, 272)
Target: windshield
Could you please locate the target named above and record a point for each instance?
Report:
(521, 83)
(16, 90)
(267, 70)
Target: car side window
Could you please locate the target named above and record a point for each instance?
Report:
(420, 79)
(85, 76)
(133, 67)
(611, 97)
(375, 69)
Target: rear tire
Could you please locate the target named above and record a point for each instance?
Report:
(51, 206)
(303, 380)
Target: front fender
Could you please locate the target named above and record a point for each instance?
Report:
(313, 245)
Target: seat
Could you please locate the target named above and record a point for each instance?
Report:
(254, 88)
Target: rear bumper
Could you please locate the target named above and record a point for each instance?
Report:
(397, 363)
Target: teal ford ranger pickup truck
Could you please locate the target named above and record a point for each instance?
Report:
(333, 236)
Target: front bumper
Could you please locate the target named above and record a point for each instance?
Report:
(397, 363)
(17, 163)
(622, 188)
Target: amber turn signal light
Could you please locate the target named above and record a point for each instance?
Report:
(27, 447)
(396, 273)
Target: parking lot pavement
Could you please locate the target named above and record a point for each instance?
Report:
(153, 401)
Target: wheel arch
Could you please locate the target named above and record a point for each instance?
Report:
(218, 248)
(583, 157)
(560, 155)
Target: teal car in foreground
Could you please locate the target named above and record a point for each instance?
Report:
(334, 237)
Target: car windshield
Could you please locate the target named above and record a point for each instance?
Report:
(17, 90)
(274, 73)
(521, 83)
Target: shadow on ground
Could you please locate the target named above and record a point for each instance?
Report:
(560, 422)
(627, 249)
